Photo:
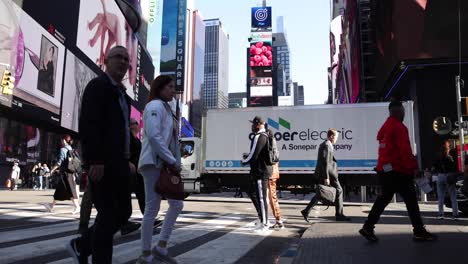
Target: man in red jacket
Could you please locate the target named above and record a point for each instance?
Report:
(397, 168)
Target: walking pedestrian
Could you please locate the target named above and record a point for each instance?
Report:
(326, 172)
(396, 167)
(447, 172)
(46, 175)
(105, 140)
(15, 176)
(66, 186)
(35, 176)
(275, 208)
(160, 147)
(260, 170)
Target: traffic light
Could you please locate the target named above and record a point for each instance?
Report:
(8, 83)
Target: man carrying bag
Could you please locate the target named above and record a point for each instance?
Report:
(326, 173)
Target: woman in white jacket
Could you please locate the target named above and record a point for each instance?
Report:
(159, 148)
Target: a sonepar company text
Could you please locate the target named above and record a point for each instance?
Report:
(310, 139)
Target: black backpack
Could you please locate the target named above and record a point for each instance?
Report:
(73, 162)
(273, 152)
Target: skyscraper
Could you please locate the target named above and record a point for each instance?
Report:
(281, 58)
(298, 94)
(215, 86)
(198, 72)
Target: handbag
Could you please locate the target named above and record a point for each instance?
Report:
(170, 185)
(326, 194)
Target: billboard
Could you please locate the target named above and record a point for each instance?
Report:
(101, 27)
(173, 41)
(77, 76)
(152, 14)
(261, 18)
(417, 30)
(36, 59)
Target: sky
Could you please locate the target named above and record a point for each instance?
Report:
(307, 26)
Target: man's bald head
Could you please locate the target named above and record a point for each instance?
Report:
(117, 62)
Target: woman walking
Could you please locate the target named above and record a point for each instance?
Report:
(160, 147)
(66, 187)
(446, 169)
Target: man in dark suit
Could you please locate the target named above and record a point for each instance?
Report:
(105, 137)
(326, 173)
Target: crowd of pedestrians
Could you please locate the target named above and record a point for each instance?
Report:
(118, 164)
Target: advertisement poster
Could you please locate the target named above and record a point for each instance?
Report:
(145, 74)
(173, 41)
(77, 76)
(152, 14)
(102, 26)
(38, 67)
(261, 18)
(169, 37)
(9, 34)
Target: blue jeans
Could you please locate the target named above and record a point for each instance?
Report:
(442, 187)
(152, 205)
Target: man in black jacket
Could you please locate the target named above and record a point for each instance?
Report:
(260, 170)
(105, 137)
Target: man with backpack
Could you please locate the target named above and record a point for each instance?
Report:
(260, 170)
(326, 172)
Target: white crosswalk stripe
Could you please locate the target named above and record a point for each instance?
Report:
(232, 233)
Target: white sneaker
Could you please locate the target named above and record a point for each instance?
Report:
(76, 210)
(262, 230)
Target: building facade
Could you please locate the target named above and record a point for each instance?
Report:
(282, 66)
(298, 94)
(216, 81)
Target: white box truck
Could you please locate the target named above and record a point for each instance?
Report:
(214, 160)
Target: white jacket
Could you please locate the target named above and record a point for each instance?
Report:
(158, 142)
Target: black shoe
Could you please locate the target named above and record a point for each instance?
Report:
(305, 215)
(73, 251)
(342, 218)
(423, 236)
(130, 227)
(368, 234)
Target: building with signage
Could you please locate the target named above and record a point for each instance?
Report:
(215, 85)
(237, 100)
(260, 61)
(52, 60)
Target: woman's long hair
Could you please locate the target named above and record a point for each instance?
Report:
(157, 85)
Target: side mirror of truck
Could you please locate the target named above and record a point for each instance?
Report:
(442, 125)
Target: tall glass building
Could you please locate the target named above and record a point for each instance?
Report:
(215, 86)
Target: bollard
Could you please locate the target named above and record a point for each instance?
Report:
(363, 194)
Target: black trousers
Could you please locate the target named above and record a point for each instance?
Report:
(111, 197)
(258, 193)
(138, 188)
(338, 199)
(394, 182)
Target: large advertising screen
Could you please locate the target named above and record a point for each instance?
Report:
(37, 63)
(77, 76)
(173, 41)
(418, 29)
(152, 13)
(261, 18)
(101, 27)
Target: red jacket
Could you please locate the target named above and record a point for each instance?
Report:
(395, 148)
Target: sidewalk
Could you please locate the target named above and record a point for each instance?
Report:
(329, 242)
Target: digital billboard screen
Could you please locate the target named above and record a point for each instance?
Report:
(423, 29)
(77, 76)
(101, 27)
(37, 64)
(261, 18)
